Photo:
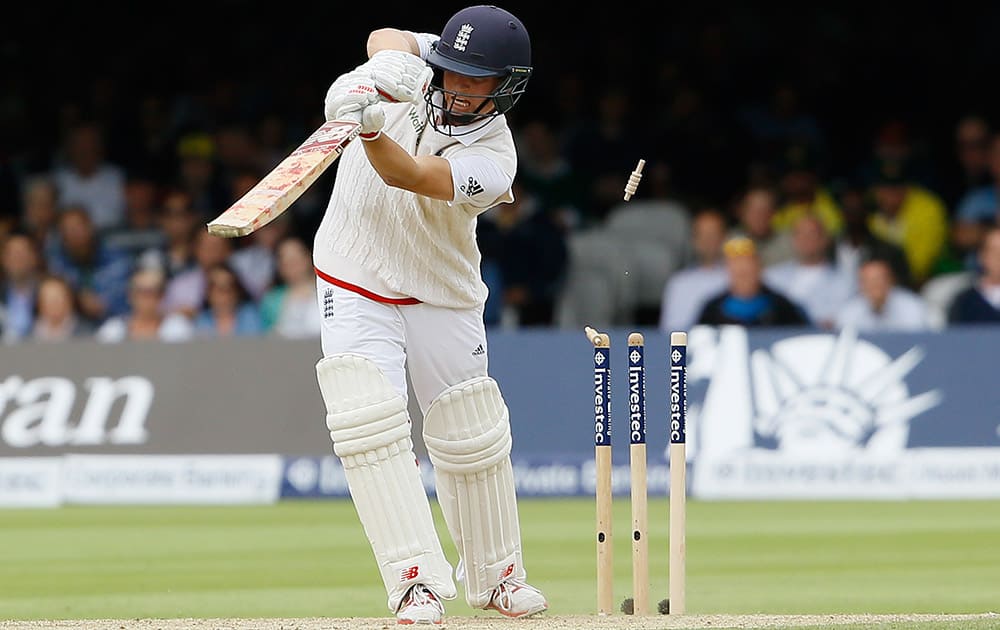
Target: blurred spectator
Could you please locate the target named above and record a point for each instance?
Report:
(978, 209)
(894, 143)
(970, 168)
(272, 140)
(236, 153)
(20, 274)
(489, 268)
(910, 216)
(547, 175)
(939, 293)
(801, 191)
(254, 258)
(228, 310)
(86, 179)
(755, 212)
(97, 272)
(569, 108)
(241, 182)
(289, 309)
(707, 157)
(145, 319)
(529, 247)
(857, 243)
(141, 230)
(40, 212)
(747, 301)
(689, 288)
(781, 122)
(198, 175)
(605, 152)
(881, 305)
(811, 280)
(56, 314)
(147, 136)
(981, 303)
(178, 222)
(187, 291)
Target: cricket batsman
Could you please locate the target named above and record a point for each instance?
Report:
(399, 288)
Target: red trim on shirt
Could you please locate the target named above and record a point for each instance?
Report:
(365, 292)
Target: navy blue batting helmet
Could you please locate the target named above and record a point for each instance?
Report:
(481, 41)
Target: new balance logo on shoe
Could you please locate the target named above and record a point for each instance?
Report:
(471, 188)
(479, 351)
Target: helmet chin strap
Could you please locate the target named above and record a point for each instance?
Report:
(457, 119)
(452, 123)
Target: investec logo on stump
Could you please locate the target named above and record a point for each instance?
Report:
(602, 404)
(55, 411)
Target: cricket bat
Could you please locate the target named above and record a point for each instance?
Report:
(286, 183)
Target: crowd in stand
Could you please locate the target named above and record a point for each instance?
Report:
(886, 254)
(102, 231)
(96, 248)
(897, 241)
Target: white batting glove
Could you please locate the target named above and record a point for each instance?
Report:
(372, 121)
(351, 92)
(399, 76)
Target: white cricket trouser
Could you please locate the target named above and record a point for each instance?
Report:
(442, 347)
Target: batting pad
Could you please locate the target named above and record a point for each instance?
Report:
(371, 435)
(467, 432)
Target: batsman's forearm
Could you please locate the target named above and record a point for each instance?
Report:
(391, 39)
(394, 165)
(427, 175)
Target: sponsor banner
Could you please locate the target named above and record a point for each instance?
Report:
(171, 479)
(916, 474)
(30, 482)
(754, 398)
(216, 396)
(537, 477)
(842, 416)
(744, 388)
(323, 477)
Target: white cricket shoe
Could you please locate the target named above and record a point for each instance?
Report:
(517, 599)
(420, 606)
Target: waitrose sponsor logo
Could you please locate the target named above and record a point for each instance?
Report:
(55, 411)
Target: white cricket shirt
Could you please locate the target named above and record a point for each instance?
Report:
(397, 246)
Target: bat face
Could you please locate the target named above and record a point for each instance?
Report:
(286, 183)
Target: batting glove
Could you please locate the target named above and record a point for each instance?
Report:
(399, 76)
(351, 92)
(372, 121)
